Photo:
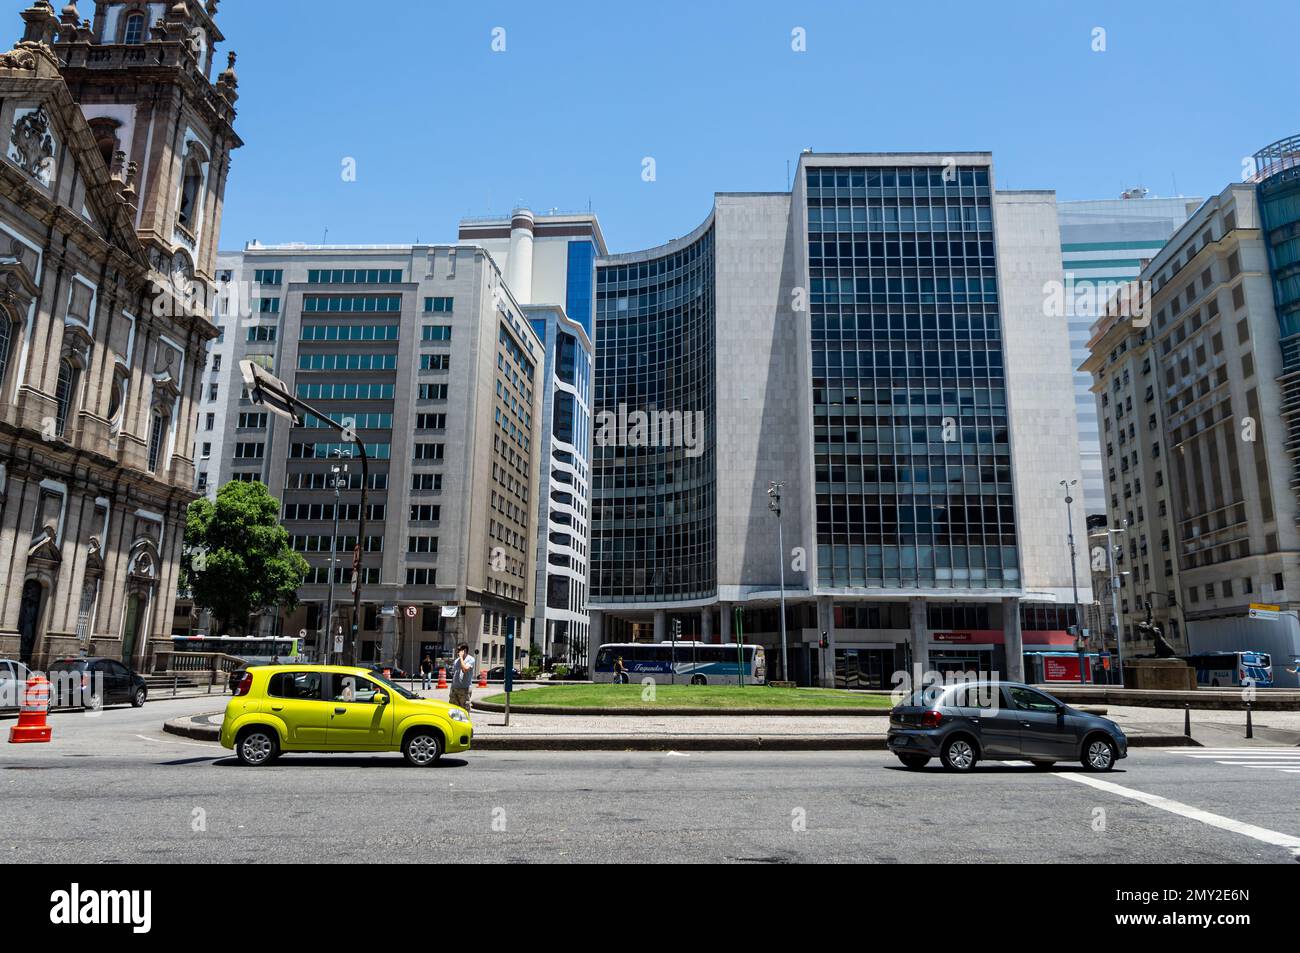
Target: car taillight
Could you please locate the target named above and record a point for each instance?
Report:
(245, 684)
(931, 719)
(85, 681)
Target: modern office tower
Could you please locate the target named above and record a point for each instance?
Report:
(550, 264)
(564, 487)
(424, 352)
(111, 185)
(1219, 476)
(878, 342)
(216, 376)
(1104, 244)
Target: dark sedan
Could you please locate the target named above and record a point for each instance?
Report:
(972, 721)
(94, 682)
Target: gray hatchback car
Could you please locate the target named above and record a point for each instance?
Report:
(964, 723)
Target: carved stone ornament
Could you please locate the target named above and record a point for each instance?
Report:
(31, 145)
(44, 548)
(18, 59)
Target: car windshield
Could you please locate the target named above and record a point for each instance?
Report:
(925, 697)
(379, 677)
(66, 665)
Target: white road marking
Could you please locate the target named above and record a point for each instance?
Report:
(169, 741)
(1271, 758)
(1275, 838)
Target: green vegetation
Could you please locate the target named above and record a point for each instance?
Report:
(756, 697)
(237, 556)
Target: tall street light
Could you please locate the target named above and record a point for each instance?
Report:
(774, 504)
(338, 474)
(1074, 580)
(1113, 567)
(267, 390)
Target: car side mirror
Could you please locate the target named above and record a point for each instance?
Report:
(381, 698)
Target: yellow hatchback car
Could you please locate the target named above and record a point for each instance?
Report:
(337, 708)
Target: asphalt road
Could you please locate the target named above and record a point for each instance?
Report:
(115, 788)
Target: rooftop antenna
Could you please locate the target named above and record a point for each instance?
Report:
(325, 237)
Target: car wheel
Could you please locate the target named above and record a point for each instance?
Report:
(137, 700)
(699, 680)
(1043, 765)
(914, 761)
(1098, 754)
(257, 746)
(422, 747)
(958, 754)
(94, 702)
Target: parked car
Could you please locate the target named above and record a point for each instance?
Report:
(13, 682)
(93, 682)
(968, 722)
(498, 674)
(576, 673)
(337, 708)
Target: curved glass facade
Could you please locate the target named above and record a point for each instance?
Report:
(1277, 169)
(654, 522)
(910, 443)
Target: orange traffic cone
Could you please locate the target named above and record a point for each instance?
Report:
(31, 716)
(442, 677)
(482, 678)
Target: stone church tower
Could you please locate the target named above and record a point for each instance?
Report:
(116, 146)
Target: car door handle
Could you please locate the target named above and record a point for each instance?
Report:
(277, 708)
(340, 711)
(1026, 724)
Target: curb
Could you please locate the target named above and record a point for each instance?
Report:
(186, 729)
(497, 708)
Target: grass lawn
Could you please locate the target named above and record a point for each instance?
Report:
(757, 697)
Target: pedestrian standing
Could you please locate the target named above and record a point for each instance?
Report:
(426, 671)
(462, 676)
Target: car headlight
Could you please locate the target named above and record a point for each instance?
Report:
(457, 714)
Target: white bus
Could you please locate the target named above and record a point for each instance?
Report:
(253, 649)
(696, 663)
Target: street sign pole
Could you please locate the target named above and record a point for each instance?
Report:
(510, 666)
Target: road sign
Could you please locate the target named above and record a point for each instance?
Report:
(338, 643)
(1261, 611)
(388, 610)
(410, 612)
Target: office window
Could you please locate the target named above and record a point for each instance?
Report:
(436, 332)
(435, 362)
(438, 305)
(268, 276)
(262, 333)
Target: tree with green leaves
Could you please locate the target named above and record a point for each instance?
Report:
(238, 560)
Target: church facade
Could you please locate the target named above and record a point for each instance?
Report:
(115, 147)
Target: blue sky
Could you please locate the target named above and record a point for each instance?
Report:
(441, 126)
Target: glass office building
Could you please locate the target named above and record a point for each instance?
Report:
(654, 521)
(913, 468)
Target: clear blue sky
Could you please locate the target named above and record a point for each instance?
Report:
(441, 126)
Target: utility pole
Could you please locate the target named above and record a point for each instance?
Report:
(1080, 644)
(337, 472)
(774, 504)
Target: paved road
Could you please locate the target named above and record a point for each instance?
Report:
(115, 788)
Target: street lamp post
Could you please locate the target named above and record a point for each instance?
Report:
(1112, 567)
(337, 472)
(1074, 581)
(774, 504)
(267, 390)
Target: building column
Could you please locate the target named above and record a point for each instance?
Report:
(724, 610)
(826, 622)
(706, 624)
(1013, 640)
(919, 641)
(595, 625)
(661, 625)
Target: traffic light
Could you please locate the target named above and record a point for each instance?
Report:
(824, 642)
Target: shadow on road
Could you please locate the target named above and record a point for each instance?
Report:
(339, 761)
